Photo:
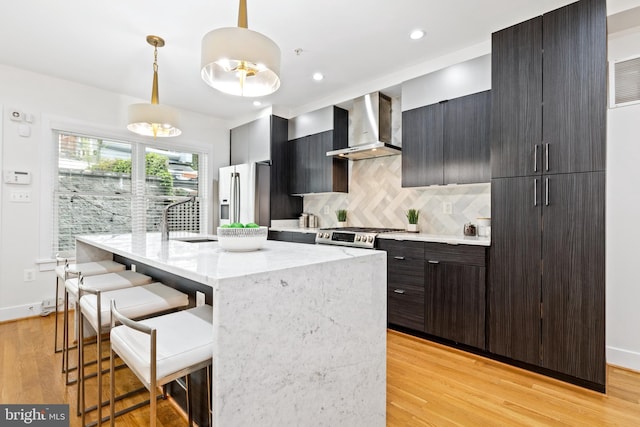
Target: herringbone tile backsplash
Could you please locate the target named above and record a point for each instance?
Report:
(376, 199)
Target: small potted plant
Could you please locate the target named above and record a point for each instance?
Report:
(342, 217)
(412, 217)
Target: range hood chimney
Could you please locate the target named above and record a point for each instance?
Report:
(371, 121)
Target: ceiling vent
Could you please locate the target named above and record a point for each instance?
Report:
(624, 86)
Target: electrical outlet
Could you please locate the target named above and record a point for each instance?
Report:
(51, 303)
(133, 267)
(447, 208)
(326, 210)
(29, 275)
(199, 298)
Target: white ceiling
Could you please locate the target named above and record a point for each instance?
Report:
(102, 43)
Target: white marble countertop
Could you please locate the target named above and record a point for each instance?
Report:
(437, 238)
(206, 260)
(420, 237)
(299, 330)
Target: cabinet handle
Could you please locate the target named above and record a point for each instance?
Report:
(546, 156)
(546, 190)
(432, 261)
(535, 158)
(535, 192)
(398, 257)
(399, 291)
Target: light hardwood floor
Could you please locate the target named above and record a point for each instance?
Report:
(427, 385)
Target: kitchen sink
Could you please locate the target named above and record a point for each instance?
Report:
(202, 239)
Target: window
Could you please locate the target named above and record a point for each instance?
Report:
(107, 186)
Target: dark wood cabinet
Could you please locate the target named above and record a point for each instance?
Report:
(515, 267)
(300, 165)
(455, 293)
(282, 204)
(447, 143)
(422, 150)
(292, 236)
(546, 303)
(551, 317)
(574, 87)
(546, 299)
(516, 104)
(312, 170)
(549, 93)
(405, 283)
(466, 147)
(573, 279)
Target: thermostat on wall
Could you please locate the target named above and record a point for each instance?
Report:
(17, 177)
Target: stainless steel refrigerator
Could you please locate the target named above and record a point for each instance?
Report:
(243, 192)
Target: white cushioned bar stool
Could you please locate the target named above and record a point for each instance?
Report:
(101, 282)
(161, 349)
(134, 302)
(65, 270)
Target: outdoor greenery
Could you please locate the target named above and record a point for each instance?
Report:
(156, 165)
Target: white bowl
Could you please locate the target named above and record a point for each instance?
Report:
(242, 239)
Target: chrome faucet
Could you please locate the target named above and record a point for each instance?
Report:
(164, 223)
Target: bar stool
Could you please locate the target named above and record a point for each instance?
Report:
(135, 302)
(161, 349)
(63, 272)
(103, 282)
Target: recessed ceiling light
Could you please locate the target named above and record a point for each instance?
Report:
(416, 34)
(257, 103)
(318, 76)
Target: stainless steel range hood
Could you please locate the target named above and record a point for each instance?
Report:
(371, 121)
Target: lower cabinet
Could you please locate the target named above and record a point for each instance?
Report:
(455, 290)
(437, 288)
(292, 236)
(405, 283)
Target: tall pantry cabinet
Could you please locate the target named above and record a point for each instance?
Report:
(548, 142)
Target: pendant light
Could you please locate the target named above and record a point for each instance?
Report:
(239, 61)
(154, 119)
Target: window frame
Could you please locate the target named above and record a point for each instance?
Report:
(51, 125)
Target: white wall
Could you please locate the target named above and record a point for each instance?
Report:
(623, 212)
(463, 78)
(49, 99)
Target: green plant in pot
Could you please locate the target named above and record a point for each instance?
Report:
(342, 217)
(412, 216)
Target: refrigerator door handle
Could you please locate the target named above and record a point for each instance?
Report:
(235, 197)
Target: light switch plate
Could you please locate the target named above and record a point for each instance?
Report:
(20, 196)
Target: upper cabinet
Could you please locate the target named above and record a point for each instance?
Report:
(467, 153)
(567, 131)
(448, 142)
(251, 142)
(574, 88)
(422, 139)
(312, 171)
(266, 140)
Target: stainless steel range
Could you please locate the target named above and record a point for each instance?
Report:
(359, 237)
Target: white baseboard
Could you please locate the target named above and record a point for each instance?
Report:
(20, 311)
(623, 358)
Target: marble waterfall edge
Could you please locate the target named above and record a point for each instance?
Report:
(332, 322)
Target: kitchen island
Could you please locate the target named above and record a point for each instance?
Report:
(299, 330)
